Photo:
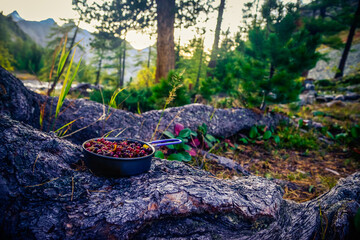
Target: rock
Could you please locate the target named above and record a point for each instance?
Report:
(329, 98)
(316, 125)
(339, 97)
(83, 89)
(94, 119)
(350, 96)
(307, 97)
(352, 87)
(321, 99)
(309, 81)
(324, 68)
(335, 103)
(324, 98)
(18, 101)
(45, 193)
(309, 86)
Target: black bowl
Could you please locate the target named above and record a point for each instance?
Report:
(117, 167)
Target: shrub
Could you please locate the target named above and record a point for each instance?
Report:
(352, 79)
(292, 138)
(133, 100)
(324, 83)
(160, 91)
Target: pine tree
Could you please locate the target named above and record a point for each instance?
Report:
(140, 14)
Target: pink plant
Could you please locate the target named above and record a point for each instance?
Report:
(178, 128)
(192, 152)
(195, 142)
(229, 142)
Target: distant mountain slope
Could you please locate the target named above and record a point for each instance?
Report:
(18, 50)
(15, 16)
(11, 28)
(39, 31)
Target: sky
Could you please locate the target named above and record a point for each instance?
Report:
(37, 10)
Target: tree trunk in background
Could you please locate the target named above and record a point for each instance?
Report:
(177, 49)
(149, 57)
(215, 47)
(256, 12)
(119, 73)
(350, 37)
(272, 71)
(323, 12)
(165, 38)
(123, 66)
(98, 72)
(200, 64)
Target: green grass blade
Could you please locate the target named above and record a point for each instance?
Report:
(63, 53)
(113, 97)
(64, 56)
(64, 87)
(66, 125)
(62, 63)
(72, 78)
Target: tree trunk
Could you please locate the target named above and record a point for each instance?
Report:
(98, 72)
(165, 38)
(119, 73)
(51, 89)
(149, 57)
(350, 37)
(215, 47)
(47, 193)
(123, 66)
(323, 12)
(200, 64)
(256, 13)
(272, 71)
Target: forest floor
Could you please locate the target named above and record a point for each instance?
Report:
(311, 161)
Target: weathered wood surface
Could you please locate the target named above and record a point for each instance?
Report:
(226, 162)
(24, 105)
(45, 194)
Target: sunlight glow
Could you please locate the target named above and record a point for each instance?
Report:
(37, 10)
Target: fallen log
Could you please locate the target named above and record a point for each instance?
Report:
(46, 193)
(94, 119)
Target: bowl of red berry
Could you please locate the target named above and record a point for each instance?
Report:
(120, 157)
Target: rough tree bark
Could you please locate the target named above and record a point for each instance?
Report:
(24, 105)
(45, 193)
(165, 38)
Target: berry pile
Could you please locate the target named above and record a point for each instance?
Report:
(121, 149)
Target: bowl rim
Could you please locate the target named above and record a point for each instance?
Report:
(117, 158)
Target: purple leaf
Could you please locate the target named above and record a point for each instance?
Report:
(192, 152)
(195, 142)
(178, 128)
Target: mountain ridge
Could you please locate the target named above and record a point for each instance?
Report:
(39, 31)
